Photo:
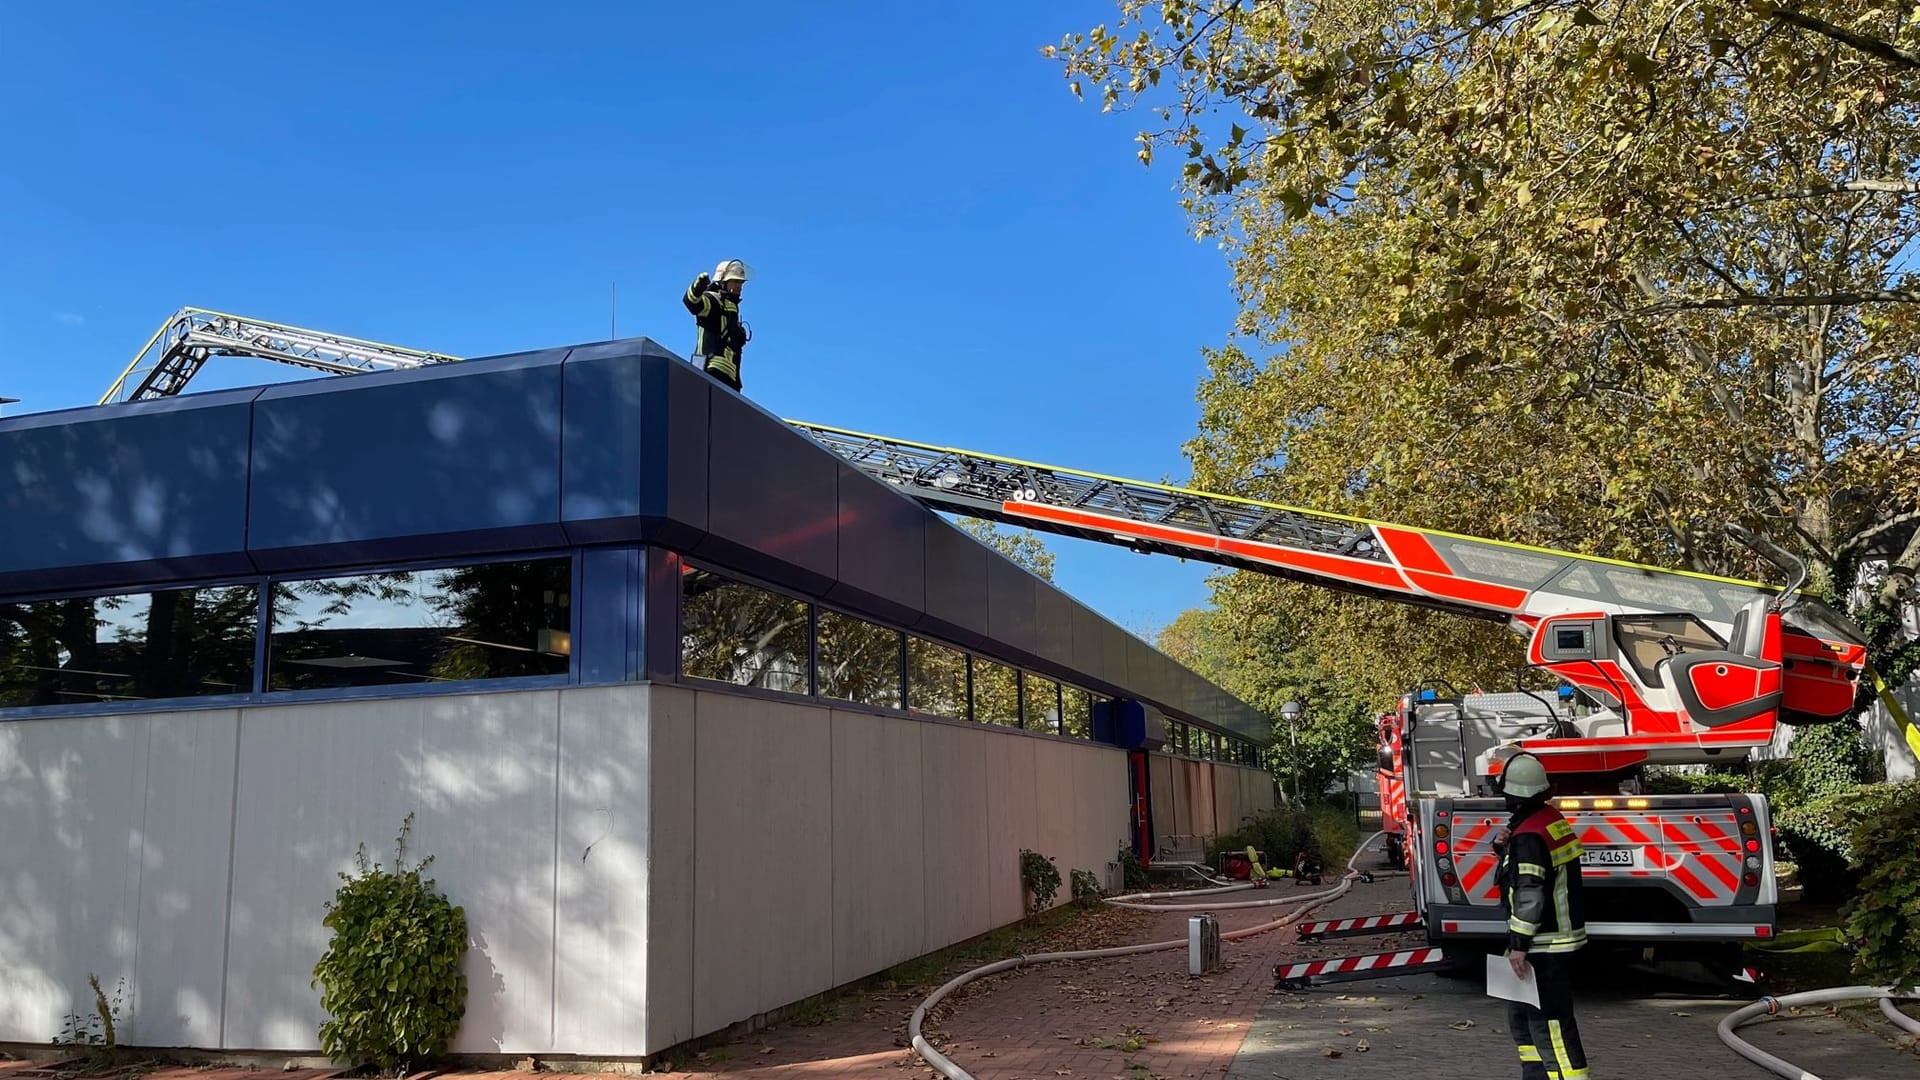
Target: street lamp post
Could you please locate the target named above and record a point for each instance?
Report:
(1290, 712)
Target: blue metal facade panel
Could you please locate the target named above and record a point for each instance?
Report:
(634, 446)
(612, 452)
(772, 498)
(956, 605)
(102, 500)
(609, 603)
(1012, 619)
(404, 465)
(1089, 643)
(882, 550)
(1053, 618)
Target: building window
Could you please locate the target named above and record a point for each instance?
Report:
(859, 661)
(996, 693)
(936, 679)
(1077, 712)
(1040, 703)
(737, 633)
(501, 620)
(175, 643)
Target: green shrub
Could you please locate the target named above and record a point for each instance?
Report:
(1325, 831)
(1818, 837)
(1883, 918)
(390, 980)
(1086, 887)
(1133, 872)
(1041, 879)
(1664, 782)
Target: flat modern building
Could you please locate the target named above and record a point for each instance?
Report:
(696, 720)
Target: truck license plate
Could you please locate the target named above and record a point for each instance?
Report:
(1609, 856)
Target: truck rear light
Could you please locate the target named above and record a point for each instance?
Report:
(1449, 927)
(1753, 845)
(1440, 848)
(1450, 881)
(1638, 804)
(1441, 832)
(1763, 931)
(1603, 804)
(1753, 862)
(1751, 878)
(1748, 828)
(1569, 804)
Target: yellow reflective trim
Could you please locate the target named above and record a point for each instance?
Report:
(1560, 1051)
(1559, 830)
(1521, 926)
(1894, 710)
(1171, 489)
(1565, 855)
(1532, 868)
(1529, 1053)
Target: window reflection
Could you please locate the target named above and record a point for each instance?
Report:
(175, 643)
(996, 693)
(859, 661)
(1040, 703)
(1077, 713)
(737, 633)
(936, 679)
(492, 621)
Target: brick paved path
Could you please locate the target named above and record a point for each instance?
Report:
(1131, 1018)
(1144, 1018)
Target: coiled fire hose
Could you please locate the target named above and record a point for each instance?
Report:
(1769, 1006)
(1306, 904)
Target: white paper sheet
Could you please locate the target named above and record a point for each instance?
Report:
(1502, 983)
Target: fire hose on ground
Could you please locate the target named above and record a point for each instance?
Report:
(1306, 903)
(1769, 1006)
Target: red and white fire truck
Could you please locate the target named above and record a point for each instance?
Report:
(1659, 868)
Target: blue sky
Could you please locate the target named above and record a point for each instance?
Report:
(949, 247)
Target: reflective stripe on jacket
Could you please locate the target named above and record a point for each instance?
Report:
(1540, 884)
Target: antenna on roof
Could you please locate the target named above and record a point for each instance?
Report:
(613, 314)
(6, 401)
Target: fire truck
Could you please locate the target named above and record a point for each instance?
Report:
(1665, 868)
(1657, 666)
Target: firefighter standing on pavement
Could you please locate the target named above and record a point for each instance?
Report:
(715, 303)
(1546, 923)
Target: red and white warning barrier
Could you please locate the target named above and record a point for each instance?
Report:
(1371, 924)
(1348, 968)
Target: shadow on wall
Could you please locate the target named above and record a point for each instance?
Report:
(486, 1018)
(70, 858)
(144, 488)
(489, 458)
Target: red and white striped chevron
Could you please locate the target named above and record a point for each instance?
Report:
(1371, 924)
(1385, 963)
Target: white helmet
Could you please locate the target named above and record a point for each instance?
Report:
(732, 270)
(1523, 777)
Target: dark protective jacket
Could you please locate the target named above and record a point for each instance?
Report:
(1540, 884)
(722, 335)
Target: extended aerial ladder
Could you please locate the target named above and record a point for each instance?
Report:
(191, 336)
(1695, 667)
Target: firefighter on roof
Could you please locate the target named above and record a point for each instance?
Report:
(714, 301)
(1540, 888)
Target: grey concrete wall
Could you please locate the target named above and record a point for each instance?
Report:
(830, 845)
(192, 854)
(638, 865)
(1205, 798)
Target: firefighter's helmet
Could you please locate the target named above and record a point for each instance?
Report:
(1523, 777)
(732, 270)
